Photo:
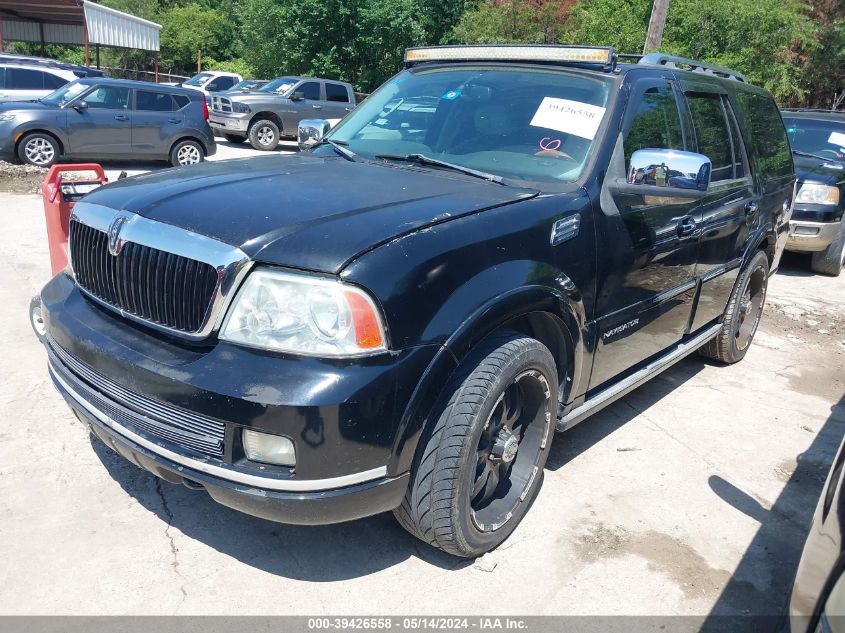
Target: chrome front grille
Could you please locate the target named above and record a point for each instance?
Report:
(221, 104)
(179, 426)
(168, 278)
(152, 284)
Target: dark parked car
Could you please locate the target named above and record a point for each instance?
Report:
(400, 318)
(818, 226)
(97, 118)
(818, 594)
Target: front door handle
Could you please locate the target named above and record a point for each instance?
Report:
(121, 117)
(686, 226)
(317, 107)
(348, 109)
(751, 208)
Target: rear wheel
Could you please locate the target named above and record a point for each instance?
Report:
(186, 153)
(831, 260)
(742, 315)
(235, 138)
(39, 149)
(264, 135)
(481, 464)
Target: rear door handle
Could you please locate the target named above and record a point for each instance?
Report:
(174, 120)
(121, 117)
(317, 107)
(686, 226)
(347, 109)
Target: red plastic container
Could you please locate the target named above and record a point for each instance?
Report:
(59, 197)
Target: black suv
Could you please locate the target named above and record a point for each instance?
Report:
(817, 227)
(497, 243)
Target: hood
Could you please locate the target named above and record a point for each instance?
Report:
(8, 106)
(303, 211)
(257, 96)
(815, 170)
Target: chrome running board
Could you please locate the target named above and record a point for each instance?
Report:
(614, 392)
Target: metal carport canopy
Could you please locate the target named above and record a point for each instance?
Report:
(79, 22)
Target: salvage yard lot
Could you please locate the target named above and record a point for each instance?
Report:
(690, 496)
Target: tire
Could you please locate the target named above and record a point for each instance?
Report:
(830, 260)
(235, 138)
(451, 462)
(264, 135)
(39, 149)
(35, 318)
(742, 315)
(187, 152)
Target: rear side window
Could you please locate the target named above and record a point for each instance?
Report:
(310, 90)
(336, 92)
(766, 134)
(2, 77)
(181, 101)
(24, 79)
(655, 123)
(149, 101)
(713, 134)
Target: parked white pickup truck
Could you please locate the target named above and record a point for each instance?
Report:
(210, 81)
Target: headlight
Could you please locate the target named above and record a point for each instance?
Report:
(815, 193)
(7, 117)
(240, 108)
(302, 314)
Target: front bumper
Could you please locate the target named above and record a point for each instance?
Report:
(232, 124)
(342, 416)
(806, 236)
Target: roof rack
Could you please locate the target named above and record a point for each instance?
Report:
(682, 63)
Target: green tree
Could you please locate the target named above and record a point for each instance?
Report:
(502, 21)
(192, 28)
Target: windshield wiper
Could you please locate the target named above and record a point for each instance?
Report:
(422, 159)
(798, 152)
(339, 147)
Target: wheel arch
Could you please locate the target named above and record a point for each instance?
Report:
(21, 134)
(266, 114)
(187, 137)
(552, 316)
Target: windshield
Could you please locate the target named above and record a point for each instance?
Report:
(517, 123)
(65, 94)
(814, 136)
(200, 79)
(248, 84)
(280, 85)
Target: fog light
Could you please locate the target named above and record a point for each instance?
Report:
(268, 449)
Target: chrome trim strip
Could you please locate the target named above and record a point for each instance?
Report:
(268, 483)
(607, 396)
(231, 263)
(721, 270)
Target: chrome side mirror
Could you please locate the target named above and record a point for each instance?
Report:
(311, 132)
(667, 173)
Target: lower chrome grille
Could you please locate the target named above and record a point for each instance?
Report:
(179, 426)
(152, 284)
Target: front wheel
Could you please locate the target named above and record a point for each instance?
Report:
(264, 135)
(742, 315)
(481, 464)
(186, 153)
(39, 149)
(830, 260)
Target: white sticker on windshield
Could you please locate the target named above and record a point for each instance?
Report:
(836, 138)
(570, 117)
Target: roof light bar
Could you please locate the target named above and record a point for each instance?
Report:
(537, 53)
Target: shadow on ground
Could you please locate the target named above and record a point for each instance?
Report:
(762, 582)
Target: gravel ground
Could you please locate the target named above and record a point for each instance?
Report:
(21, 178)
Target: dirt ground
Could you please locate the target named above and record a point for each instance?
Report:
(691, 496)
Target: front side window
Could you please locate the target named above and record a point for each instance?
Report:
(310, 90)
(527, 124)
(108, 98)
(149, 101)
(224, 83)
(655, 122)
(51, 82)
(713, 134)
(336, 92)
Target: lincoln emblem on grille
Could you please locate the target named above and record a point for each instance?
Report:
(115, 243)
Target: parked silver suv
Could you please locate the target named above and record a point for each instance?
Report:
(265, 115)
